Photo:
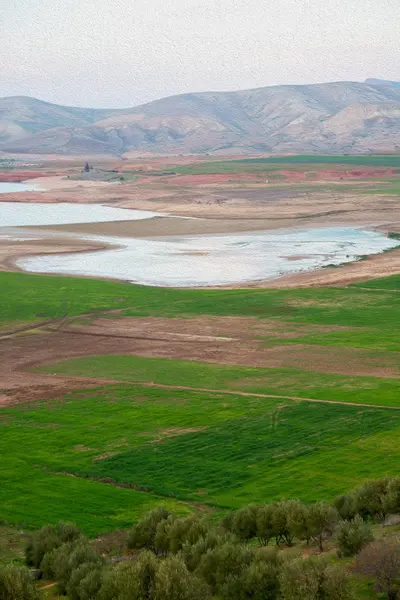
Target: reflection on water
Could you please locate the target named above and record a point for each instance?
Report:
(215, 260)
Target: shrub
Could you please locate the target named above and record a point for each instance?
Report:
(352, 536)
(69, 557)
(161, 540)
(173, 533)
(192, 553)
(391, 500)
(175, 582)
(370, 499)
(313, 579)
(112, 580)
(217, 564)
(16, 583)
(280, 521)
(346, 506)
(84, 582)
(47, 539)
(299, 521)
(244, 524)
(265, 524)
(323, 519)
(381, 560)
(130, 580)
(142, 535)
(258, 581)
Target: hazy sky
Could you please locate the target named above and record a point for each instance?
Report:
(118, 53)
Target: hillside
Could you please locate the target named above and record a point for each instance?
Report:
(332, 118)
(21, 117)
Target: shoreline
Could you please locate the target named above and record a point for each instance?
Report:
(237, 216)
(381, 264)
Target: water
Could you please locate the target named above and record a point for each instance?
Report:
(215, 260)
(15, 214)
(11, 187)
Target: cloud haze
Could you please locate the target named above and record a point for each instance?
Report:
(118, 53)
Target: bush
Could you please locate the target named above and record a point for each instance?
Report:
(67, 558)
(84, 582)
(299, 521)
(381, 560)
(173, 533)
(131, 580)
(192, 553)
(370, 499)
(161, 540)
(323, 519)
(217, 564)
(313, 579)
(391, 500)
(143, 534)
(352, 536)
(258, 581)
(16, 583)
(346, 506)
(174, 582)
(244, 523)
(47, 539)
(281, 512)
(265, 524)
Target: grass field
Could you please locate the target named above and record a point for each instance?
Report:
(222, 450)
(65, 457)
(256, 380)
(35, 297)
(254, 165)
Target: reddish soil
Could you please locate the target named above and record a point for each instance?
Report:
(277, 177)
(337, 175)
(207, 178)
(18, 176)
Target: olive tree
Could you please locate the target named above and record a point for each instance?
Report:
(142, 535)
(381, 560)
(323, 519)
(16, 583)
(175, 582)
(47, 539)
(313, 579)
(352, 536)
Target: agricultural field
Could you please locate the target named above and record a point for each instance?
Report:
(117, 398)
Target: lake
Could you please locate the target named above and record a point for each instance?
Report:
(185, 261)
(16, 214)
(11, 187)
(214, 260)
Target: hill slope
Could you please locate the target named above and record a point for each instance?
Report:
(21, 116)
(332, 117)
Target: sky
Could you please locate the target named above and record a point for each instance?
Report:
(120, 53)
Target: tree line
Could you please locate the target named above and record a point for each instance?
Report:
(192, 558)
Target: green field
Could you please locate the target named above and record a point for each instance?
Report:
(255, 380)
(36, 297)
(225, 451)
(102, 457)
(254, 165)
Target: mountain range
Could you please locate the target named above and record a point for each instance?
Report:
(341, 117)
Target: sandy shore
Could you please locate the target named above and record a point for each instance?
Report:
(11, 251)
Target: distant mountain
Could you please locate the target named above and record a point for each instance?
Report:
(21, 116)
(333, 117)
(381, 82)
